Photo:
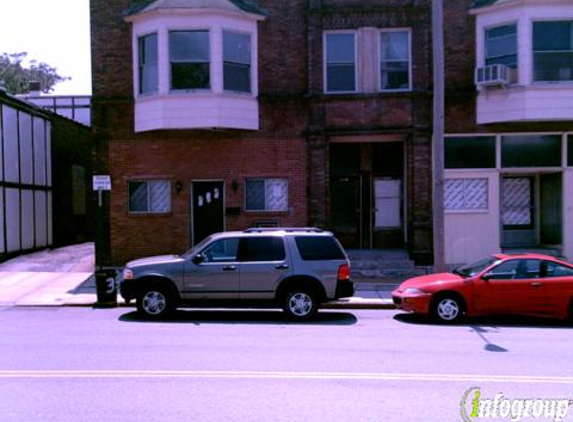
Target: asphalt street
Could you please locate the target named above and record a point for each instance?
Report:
(83, 364)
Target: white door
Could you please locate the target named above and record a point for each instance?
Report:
(388, 199)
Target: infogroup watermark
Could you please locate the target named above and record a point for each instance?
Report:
(474, 407)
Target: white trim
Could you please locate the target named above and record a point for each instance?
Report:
(325, 63)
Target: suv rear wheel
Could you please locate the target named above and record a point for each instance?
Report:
(300, 304)
(155, 302)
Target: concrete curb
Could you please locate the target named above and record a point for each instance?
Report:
(360, 303)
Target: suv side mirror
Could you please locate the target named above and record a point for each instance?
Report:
(198, 259)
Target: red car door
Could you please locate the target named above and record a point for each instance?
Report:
(558, 283)
(512, 287)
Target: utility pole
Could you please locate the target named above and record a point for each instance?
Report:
(438, 135)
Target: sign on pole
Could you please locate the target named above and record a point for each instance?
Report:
(100, 183)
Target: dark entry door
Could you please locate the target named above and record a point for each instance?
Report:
(345, 210)
(550, 208)
(207, 210)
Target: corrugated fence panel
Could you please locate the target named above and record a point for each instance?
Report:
(26, 157)
(40, 217)
(13, 220)
(39, 152)
(10, 123)
(27, 219)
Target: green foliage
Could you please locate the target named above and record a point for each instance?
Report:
(16, 78)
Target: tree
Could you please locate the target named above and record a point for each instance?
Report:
(16, 78)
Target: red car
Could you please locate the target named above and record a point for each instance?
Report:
(524, 284)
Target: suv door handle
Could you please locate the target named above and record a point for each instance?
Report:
(281, 267)
(230, 268)
(536, 284)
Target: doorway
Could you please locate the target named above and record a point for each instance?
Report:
(207, 209)
(531, 212)
(366, 194)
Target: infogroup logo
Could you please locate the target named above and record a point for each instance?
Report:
(474, 407)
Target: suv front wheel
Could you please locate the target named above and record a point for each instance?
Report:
(155, 302)
(300, 304)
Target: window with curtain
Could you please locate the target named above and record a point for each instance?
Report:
(395, 60)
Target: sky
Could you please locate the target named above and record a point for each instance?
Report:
(56, 32)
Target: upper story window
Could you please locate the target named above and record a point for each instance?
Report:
(236, 62)
(340, 57)
(394, 60)
(148, 79)
(552, 51)
(189, 58)
(501, 45)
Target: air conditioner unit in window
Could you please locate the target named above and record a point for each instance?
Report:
(492, 75)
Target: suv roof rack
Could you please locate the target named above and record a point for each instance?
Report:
(284, 229)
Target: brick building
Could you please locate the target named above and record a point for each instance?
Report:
(226, 114)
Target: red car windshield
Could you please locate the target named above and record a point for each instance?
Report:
(475, 268)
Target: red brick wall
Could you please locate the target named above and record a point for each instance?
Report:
(184, 157)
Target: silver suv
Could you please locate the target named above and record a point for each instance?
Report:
(295, 268)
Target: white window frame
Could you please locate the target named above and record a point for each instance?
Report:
(532, 41)
(266, 180)
(149, 209)
(237, 32)
(139, 38)
(465, 208)
(379, 59)
(325, 63)
(498, 25)
(170, 62)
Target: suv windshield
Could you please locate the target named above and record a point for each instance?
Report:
(475, 268)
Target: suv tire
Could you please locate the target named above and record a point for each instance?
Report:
(155, 302)
(300, 304)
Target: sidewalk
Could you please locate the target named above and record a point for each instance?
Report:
(65, 277)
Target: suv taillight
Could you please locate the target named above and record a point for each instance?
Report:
(343, 272)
